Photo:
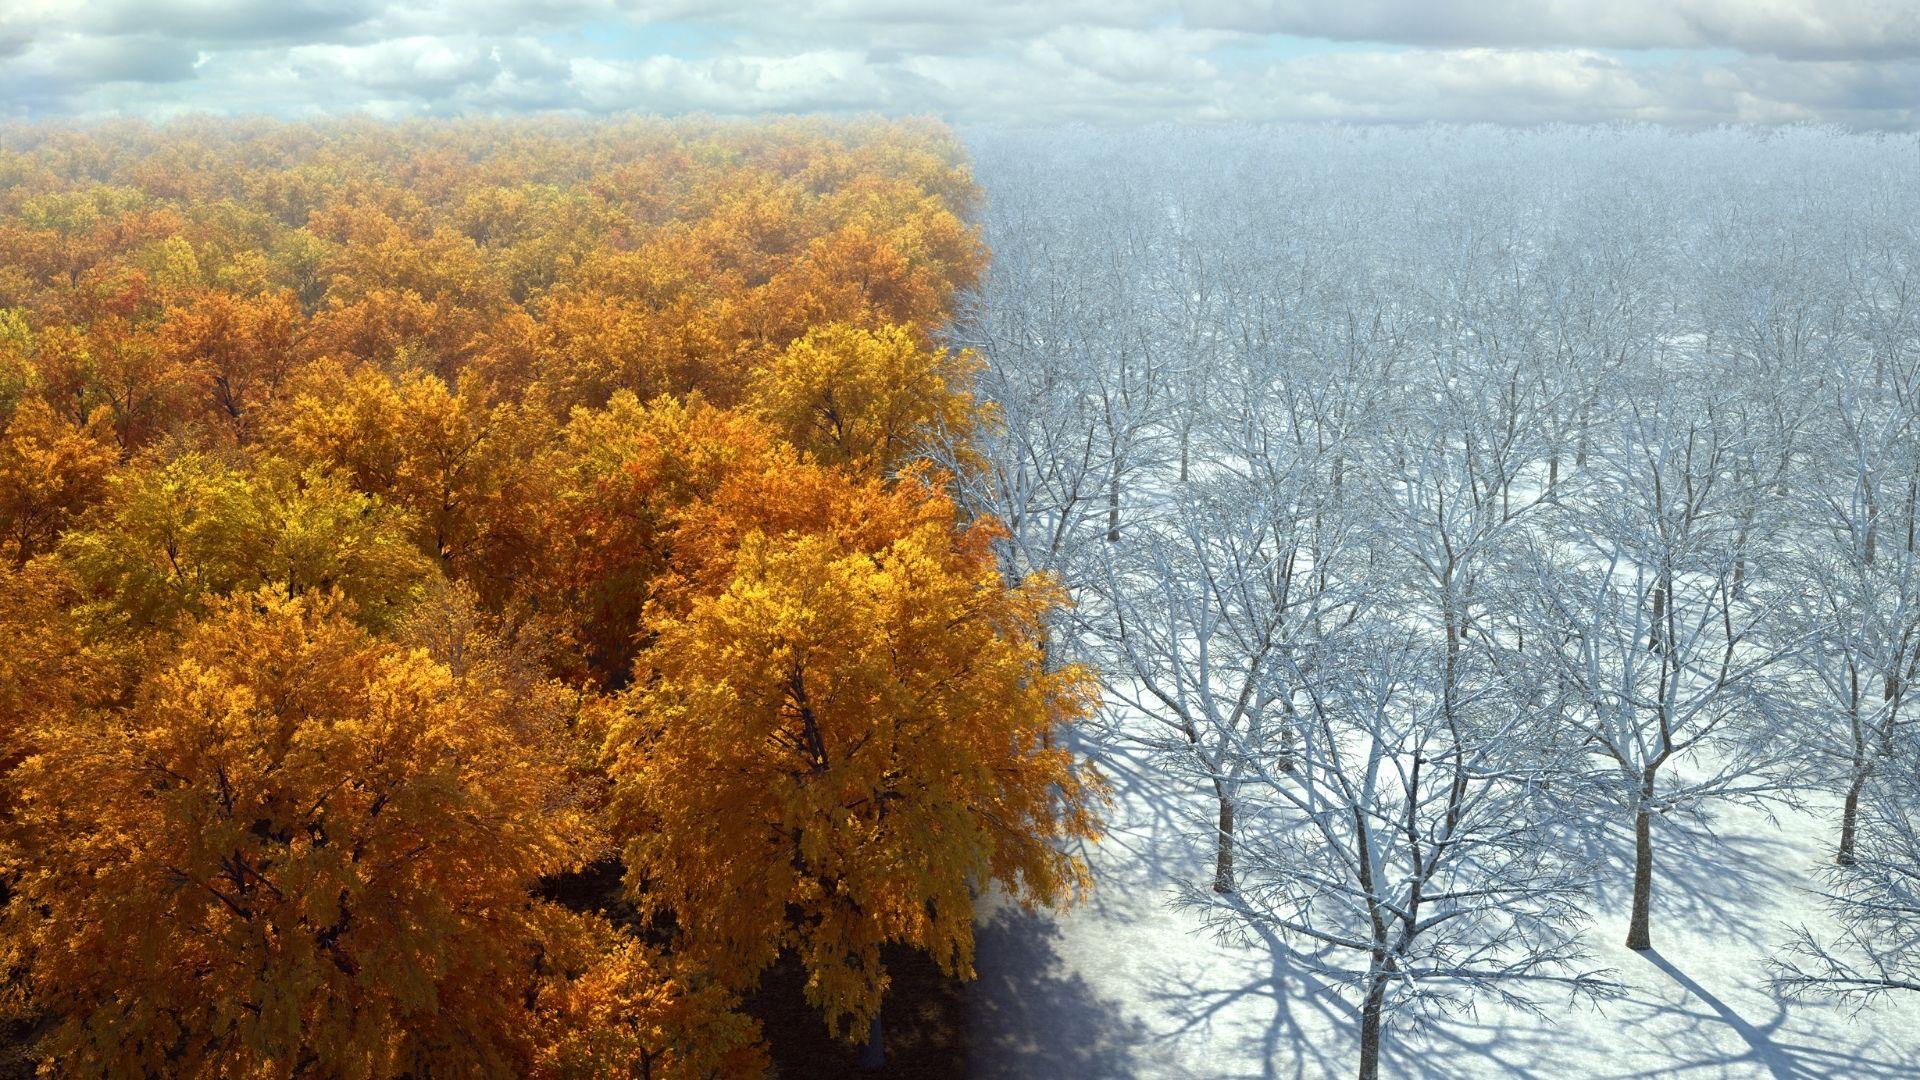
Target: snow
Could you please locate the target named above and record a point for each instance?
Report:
(1128, 986)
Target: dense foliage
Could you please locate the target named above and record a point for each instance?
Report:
(394, 519)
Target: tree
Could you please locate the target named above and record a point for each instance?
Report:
(299, 850)
(634, 1011)
(238, 349)
(867, 400)
(1208, 604)
(468, 472)
(47, 668)
(1400, 844)
(835, 750)
(50, 471)
(1859, 608)
(168, 542)
(1874, 899)
(626, 514)
(1648, 622)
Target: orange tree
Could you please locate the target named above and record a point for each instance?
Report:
(831, 752)
(300, 850)
(457, 431)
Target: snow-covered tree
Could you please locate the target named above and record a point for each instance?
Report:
(1873, 901)
(1401, 846)
(1634, 607)
(1859, 557)
(1208, 609)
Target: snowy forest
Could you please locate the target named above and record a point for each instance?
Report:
(814, 598)
(1499, 551)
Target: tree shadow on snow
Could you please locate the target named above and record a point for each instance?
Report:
(1150, 847)
(1032, 1019)
(1766, 1054)
(1300, 1011)
(1466, 1046)
(1701, 879)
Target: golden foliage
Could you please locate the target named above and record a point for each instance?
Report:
(865, 399)
(397, 518)
(855, 734)
(169, 540)
(633, 1011)
(301, 849)
(50, 470)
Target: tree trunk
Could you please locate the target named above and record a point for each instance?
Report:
(1370, 1029)
(1223, 854)
(1659, 615)
(1638, 935)
(1113, 509)
(1850, 817)
(874, 1055)
(1586, 430)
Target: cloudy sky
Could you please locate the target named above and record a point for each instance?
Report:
(1854, 62)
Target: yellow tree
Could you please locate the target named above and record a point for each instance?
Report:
(299, 851)
(50, 470)
(46, 667)
(237, 349)
(632, 1010)
(468, 472)
(865, 399)
(632, 474)
(167, 541)
(835, 750)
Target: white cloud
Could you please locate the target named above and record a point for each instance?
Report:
(1854, 62)
(1832, 28)
(804, 82)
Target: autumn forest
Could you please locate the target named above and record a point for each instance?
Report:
(401, 524)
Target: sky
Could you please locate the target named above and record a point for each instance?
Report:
(1001, 62)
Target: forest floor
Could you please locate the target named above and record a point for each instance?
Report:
(1129, 986)
(924, 1013)
(924, 1016)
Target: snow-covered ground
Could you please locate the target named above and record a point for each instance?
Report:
(1128, 986)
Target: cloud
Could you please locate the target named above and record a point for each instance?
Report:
(1785, 28)
(228, 20)
(1692, 62)
(804, 82)
(1514, 86)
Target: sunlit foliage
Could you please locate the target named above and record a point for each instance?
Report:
(396, 519)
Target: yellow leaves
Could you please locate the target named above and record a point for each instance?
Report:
(311, 845)
(50, 470)
(468, 472)
(634, 1011)
(856, 732)
(867, 400)
(168, 540)
(327, 454)
(238, 350)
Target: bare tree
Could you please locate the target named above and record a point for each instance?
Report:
(1874, 902)
(1205, 605)
(1860, 608)
(1634, 606)
(1404, 855)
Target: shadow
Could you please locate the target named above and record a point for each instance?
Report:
(1030, 1020)
(1761, 1047)
(1767, 1054)
(1158, 834)
(1701, 878)
(1465, 1046)
(1253, 1009)
(924, 1015)
(1299, 1012)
